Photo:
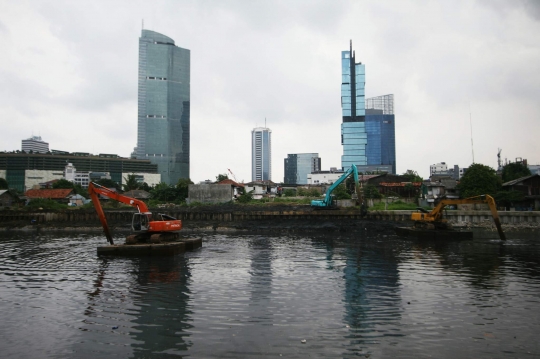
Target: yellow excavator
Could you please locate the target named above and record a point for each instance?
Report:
(433, 221)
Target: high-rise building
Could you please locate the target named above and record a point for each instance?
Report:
(299, 165)
(381, 134)
(163, 109)
(353, 129)
(35, 144)
(261, 154)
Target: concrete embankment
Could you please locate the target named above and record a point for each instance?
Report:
(257, 218)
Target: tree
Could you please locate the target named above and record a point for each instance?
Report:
(412, 176)
(3, 184)
(289, 192)
(145, 187)
(340, 192)
(222, 176)
(63, 184)
(164, 193)
(478, 180)
(131, 183)
(245, 197)
(182, 187)
(514, 171)
(370, 191)
(109, 183)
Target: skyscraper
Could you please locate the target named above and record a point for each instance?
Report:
(163, 109)
(261, 154)
(381, 134)
(299, 165)
(353, 129)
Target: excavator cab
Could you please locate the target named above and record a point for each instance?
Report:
(140, 222)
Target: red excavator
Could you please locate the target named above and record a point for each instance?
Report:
(145, 229)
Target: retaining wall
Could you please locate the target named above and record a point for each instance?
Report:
(119, 216)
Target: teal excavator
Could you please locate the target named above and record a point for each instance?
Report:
(328, 201)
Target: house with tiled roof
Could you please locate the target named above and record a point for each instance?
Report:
(59, 195)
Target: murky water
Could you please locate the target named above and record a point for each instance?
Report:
(261, 296)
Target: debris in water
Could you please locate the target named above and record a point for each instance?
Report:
(303, 341)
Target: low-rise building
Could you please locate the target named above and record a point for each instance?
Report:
(530, 187)
(58, 195)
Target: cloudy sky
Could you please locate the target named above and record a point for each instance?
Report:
(68, 72)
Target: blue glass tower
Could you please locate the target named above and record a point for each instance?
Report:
(163, 105)
(353, 127)
(381, 134)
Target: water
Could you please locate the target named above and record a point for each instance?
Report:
(246, 296)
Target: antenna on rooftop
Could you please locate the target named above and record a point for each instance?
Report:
(499, 159)
(143, 24)
(265, 122)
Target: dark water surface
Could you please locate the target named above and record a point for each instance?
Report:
(245, 296)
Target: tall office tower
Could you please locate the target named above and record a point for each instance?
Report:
(299, 165)
(381, 134)
(164, 95)
(261, 154)
(35, 144)
(353, 130)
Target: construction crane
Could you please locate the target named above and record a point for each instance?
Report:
(144, 228)
(232, 174)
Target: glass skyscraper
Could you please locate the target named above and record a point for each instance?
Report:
(381, 132)
(299, 165)
(353, 127)
(261, 154)
(163, 105)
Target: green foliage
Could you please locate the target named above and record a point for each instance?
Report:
(395, 206)
(145, 187)
(245, 197)
(508, 198)
(221, 177)
(63, 184)
(370, 191)
(45, 204)
(182, 187)
(165, 193)
(478, 180)
(3, 183)
(350, 185)
(514, 171)
(289, 192)
(109, 183)
(340, 192)
(313, 192)
(412, 176)
(82, 191)
(131, 183)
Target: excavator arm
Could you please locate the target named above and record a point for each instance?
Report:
(436, 215)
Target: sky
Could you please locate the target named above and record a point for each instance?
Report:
(465, 76)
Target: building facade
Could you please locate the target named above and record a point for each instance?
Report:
(261, 154)
(23, 171)
(35, 144)
(381, 134)
(353, 127)
(299, 165)
(163, 128)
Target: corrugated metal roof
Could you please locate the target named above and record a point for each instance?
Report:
(511, 183)
(48, 193)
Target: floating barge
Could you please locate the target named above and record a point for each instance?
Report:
(150, 249)
(434, 234)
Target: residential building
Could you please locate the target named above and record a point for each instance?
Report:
(58, 195)
(26, 170)
(353, 126)
(35, 144)
(381, 134)
(440, 171)
(299, 165)
(529, 186)
(163, 128)
(261, 154)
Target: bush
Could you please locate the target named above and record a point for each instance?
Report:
(245, 198)
(289, 193)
